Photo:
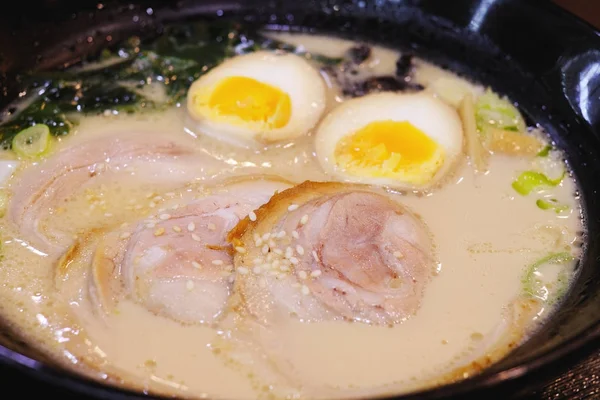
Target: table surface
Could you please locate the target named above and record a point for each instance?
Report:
(586, 9)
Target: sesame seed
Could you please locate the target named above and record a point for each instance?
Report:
(240, 249)
(258, 242)
(161, 210)
(191, 227)
(281, 234)
(108, 215)
(265, 249)
(275, 263)
(300, 250)
(125, 235)
(272, 243)
(159, 231)
(189, 285)
(302, 275)
(176, 228)
(170, 194)
(314, 253)
(305, 290)
(217, 262)
(304, 219)
(277, 251)
(242, 270)
(152, 204)
(295, 235)
(257, 270)
(398, 255)
(274, 273)
(157, 198)
(266, 237)
(293, 207)
(270, 257)
(175, 207)
(195, 237)
(211, 227)
(196, 265)
(164, 217)
(316, 273)
(252, 216)
(258, 260)
(294, 260)
(266, 266)
(284, 268)
(289, 252)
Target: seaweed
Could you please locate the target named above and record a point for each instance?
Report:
(114, 79)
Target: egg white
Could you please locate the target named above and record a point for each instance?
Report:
(430, 115)
(289, 73)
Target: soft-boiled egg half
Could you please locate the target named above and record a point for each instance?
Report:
(261, 97)
(398, 140)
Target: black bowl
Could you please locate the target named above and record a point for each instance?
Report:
(542, 57)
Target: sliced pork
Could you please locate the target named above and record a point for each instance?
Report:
(143, 158)
(177, 263)
(320, 252)
(323, 251)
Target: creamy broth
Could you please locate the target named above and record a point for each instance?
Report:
(485, 236)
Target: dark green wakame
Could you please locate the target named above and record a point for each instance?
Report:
(112, 79)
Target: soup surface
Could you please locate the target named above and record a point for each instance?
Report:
(436, 230)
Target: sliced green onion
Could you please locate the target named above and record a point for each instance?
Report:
(491, 110)
(32, 142)
(322, 59)
(529, 181)
(3, 202)
(533, 286)
(544, 152)
(551, 204)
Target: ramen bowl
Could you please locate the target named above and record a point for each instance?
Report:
(541, 57)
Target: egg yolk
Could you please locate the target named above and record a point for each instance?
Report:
(390, 149)
(245, 101)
